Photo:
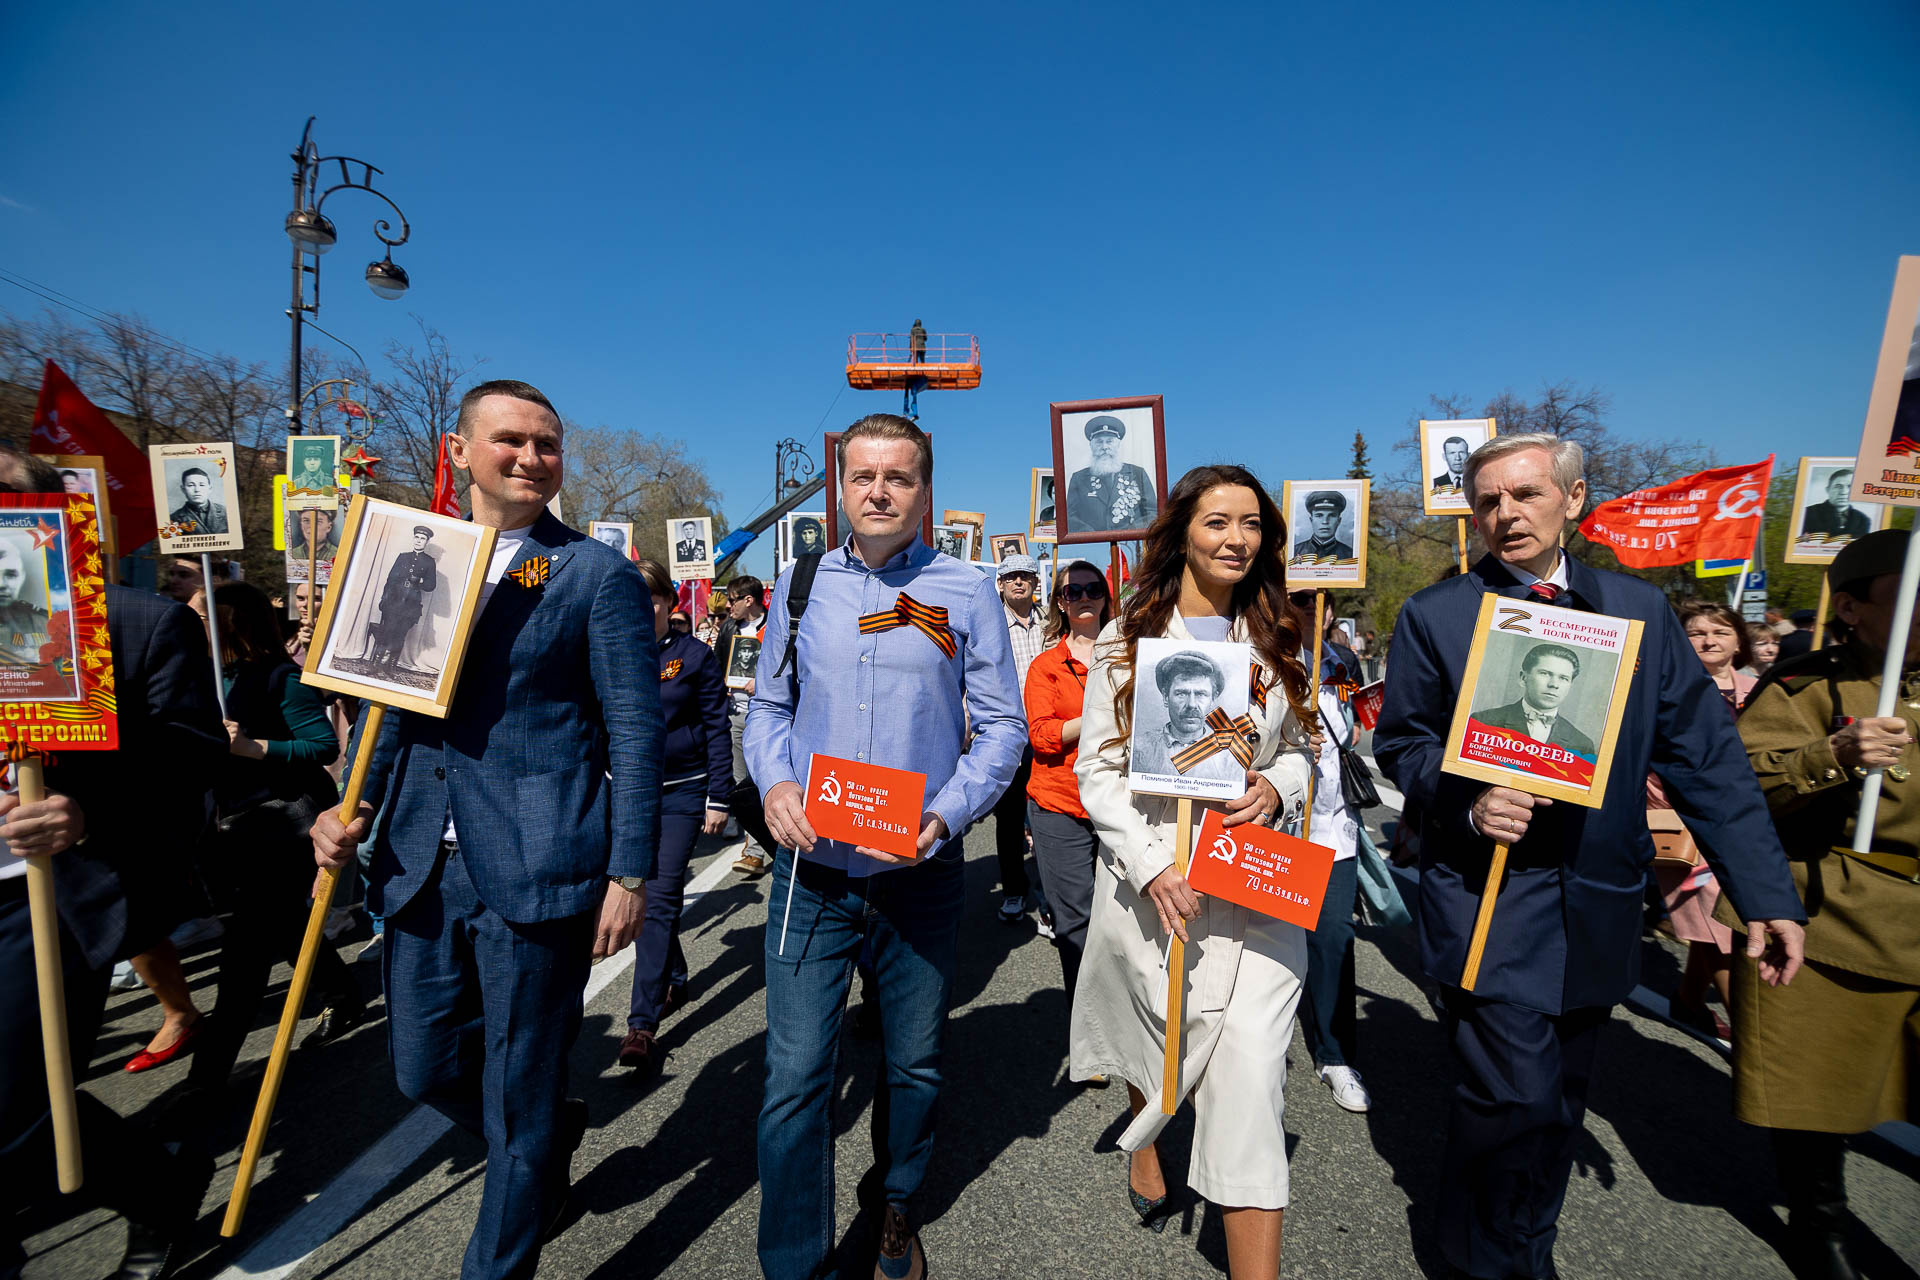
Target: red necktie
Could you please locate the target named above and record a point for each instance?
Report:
(1543, 591)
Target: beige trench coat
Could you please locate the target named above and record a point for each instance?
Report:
(1120, 1007)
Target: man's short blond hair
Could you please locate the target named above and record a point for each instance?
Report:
(1567, 459)
(886, 426)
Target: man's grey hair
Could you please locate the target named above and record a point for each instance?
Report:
(1568, 460)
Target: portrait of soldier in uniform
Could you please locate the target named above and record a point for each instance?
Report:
(691, 548)
(316, 528)
(1109, 492)
(197, 507)
(1190, 685)
(1323, 509)
(411, 577)
(23, 605)
(809, 536)
(1547, 673)
(1836, 517)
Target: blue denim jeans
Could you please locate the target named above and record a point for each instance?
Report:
(658, 962)
(1327, 1004)
(909, 919)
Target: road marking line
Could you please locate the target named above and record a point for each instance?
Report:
(288, 1246)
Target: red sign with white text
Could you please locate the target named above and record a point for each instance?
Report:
(1261, 869)
(865, 804)
(1367, 704)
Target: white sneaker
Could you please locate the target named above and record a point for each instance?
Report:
(1044, 926)
(124, 978)
(1347, 1089)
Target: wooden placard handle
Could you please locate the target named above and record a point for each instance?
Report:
(45, 919)
(1483, 921)
(302, 979)
(1820, 611)
(1313, 702)
(1176, 976)
(1460, 526)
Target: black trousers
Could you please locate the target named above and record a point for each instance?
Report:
(127, 1170)
(1010, 830)
(1517, 1113)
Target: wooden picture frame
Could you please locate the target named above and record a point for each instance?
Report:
(1438, 497)
(835, 534)
(1007, 544)
(1820, 547)
(1490, 739)
(1040, 503)
(1075, 423)
(1344, 567)
(99, 486)
(371, 544)
(1889, 456)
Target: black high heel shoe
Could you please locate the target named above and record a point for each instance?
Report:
(1153, 1212)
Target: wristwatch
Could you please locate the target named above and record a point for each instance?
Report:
(632, 884)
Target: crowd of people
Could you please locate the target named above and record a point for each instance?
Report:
(549, 820)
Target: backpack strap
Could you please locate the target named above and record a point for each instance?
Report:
(798, 589)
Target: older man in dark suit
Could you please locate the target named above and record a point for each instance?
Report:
(1837, 516)
(120, 827)
(518, 832)
(1565, 940)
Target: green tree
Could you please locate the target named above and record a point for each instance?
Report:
(1360, 470)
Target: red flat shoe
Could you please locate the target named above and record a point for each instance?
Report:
(146, 1061)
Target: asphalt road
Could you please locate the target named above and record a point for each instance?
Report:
(1026, 1181)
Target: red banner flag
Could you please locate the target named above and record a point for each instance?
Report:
(445, 501)
(1714, 515)
(66, 422)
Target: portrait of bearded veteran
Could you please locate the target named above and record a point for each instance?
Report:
(1547, 674)
(1108, 493)
(23, 619)
(1190, 685)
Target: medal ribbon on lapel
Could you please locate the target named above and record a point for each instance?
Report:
(906, 611)
(1261, 687)
(1227, 735)
(669, 671)
(534, 572)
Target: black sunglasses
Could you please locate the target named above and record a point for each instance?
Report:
(1097, 591)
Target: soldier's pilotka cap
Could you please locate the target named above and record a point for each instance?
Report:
(1865, 559)
(1327, 498)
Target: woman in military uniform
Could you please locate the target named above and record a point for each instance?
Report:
(1838, 1051)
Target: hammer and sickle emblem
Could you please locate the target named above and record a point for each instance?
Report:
(830, 790)
(1741, 503)
(1223, 849)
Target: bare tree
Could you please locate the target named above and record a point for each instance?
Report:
(625, 475)
(417, 404)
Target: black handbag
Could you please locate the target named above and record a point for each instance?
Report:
(1356, 782)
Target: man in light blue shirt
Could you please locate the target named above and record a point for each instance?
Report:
(898, 691)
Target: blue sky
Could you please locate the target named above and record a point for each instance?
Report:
(1294, 222)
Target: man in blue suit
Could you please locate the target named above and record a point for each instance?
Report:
(519, 830)
(1565, 940)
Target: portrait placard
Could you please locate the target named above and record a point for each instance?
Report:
(56, 666)
(1541, 702)
(87, 473)
(1824, 516)
(1114, 455)
(395, 623)
(954, 540)
(312, 463)
(1261, 869)
(866, 805)
(690, 548)
(836, 520)
(1190, 727)
(1040, 506)
(1444, 449)
(617, 534)
(1008, 544)
(1889, 457)
(316, 529)
(801, 533)
(743, 659)
(198, 493)
(1327, 523)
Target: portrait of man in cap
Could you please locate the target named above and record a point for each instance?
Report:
(411, 577)
(1109, 493)
(1190, 685)
(809, 536)
(1547, 673)
(1320, 530)
(23, 600)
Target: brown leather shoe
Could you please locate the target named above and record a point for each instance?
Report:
(638, 1052)
(901, 1257)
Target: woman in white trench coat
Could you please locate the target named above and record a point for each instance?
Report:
(1213, 568)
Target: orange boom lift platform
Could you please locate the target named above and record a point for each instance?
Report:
(886, 362)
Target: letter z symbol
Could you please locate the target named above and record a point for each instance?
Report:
(1511, 617)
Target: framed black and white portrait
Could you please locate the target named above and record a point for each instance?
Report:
(1007, 544)
(1825, 517)
(1040, 506)
(1444, 450)
(395, 624)
(801, 533)
(196, 496)
(1190, 725)
(690, 547)
(617, 534)
(1114, 456)
(743, 659)
(312, 537)
(313, 464)
(954, 540)
(1327, 523)
(87, 473)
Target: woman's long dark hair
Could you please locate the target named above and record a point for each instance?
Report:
(249, 631)
(1057, 625)
(1260, 598)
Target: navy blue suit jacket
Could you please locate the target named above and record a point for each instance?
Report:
(549, 757)
(1566, 928)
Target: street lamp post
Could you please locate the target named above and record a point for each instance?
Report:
(312, 233)
(791, 466)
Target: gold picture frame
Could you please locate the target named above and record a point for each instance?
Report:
(1507, 633)
(1821, 548)
(100, 485)
(1444, 499)
(371, 543)
(1889, 454)
(1042, 497)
